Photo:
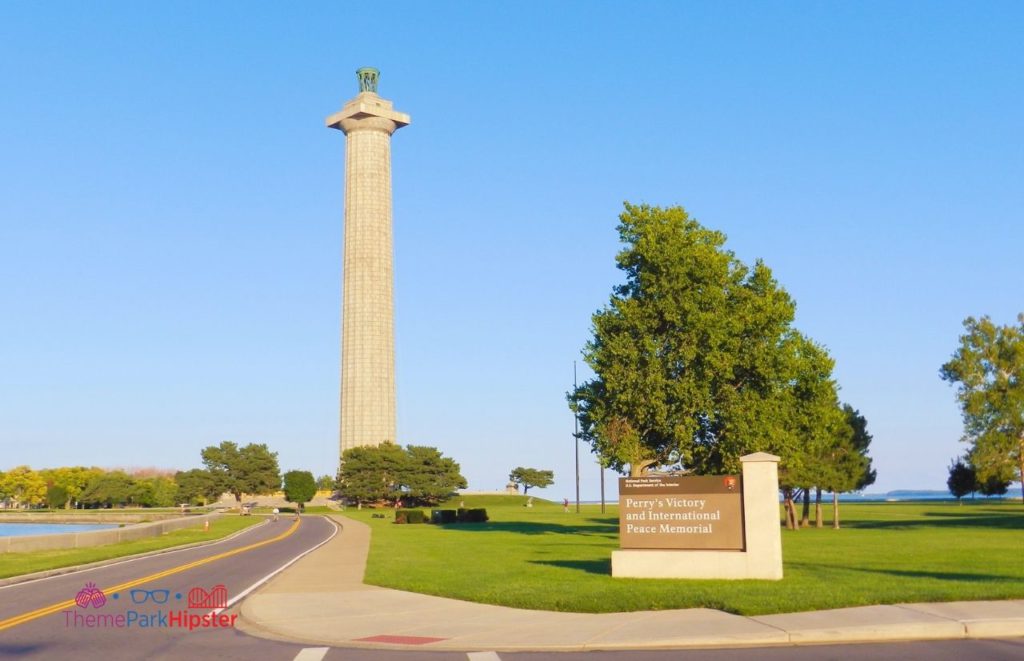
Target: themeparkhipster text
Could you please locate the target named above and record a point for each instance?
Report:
(175, 619)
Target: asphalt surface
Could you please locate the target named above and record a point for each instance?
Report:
(41, 619)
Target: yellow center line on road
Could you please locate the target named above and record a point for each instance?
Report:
(47, 610)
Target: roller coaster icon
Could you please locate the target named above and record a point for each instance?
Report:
(216, 597)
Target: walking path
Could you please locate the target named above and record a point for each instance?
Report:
(322, 599)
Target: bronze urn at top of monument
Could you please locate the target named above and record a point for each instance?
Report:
(368, 106)
(368, 77)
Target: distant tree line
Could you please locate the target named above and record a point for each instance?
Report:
(251, 470)
(90, 487)
(964, 479)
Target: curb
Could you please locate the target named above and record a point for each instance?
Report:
(943, 629)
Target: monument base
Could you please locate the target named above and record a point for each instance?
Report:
(657, 563)
(762, 557)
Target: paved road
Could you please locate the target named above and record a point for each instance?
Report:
(947, 650)
(40, 619)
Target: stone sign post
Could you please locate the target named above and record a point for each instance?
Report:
(708, 526)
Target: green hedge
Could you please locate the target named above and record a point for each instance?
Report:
(462, 515)
(410, 516)
(477, 515)
(443, 516)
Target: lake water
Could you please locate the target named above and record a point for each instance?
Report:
(20, 529)
(890, 496)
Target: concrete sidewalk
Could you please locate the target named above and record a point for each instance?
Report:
(322, 600)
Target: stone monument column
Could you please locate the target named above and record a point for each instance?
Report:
(367, 336)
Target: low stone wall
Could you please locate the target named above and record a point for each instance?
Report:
(272, 500)
(87, 516)
(75, 540)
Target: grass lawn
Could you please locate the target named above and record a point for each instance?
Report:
(546, 559)
(15, 564)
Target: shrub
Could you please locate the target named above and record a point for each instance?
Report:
(443, 516)
(472, 515)
(410, 516)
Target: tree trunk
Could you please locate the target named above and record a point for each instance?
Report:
(835, 511)
(790, 510)
(1020, 456)
(805, 515)
(785, 508)
(818, 523)
(638, 468)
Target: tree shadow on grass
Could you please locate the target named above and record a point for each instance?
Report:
(601, 567)
(535, 528)
(946, 520)
(913, 573)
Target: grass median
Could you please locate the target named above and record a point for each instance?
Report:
(544, 558)
(16, 564)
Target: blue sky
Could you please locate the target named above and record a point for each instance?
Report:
(171, 207)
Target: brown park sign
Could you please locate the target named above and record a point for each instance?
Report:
(681, 512)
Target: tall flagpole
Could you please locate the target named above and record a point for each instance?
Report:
(576, 441)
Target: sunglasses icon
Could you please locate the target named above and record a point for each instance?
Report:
(157, 596)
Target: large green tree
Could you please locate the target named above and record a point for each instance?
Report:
(861, 440)
(299, 487)
(72, 478)
(811, 405)
(430, 477)
(251, 469)
(839, 464)
(988, 368)
(156, 491)
(109, 489)
(531, 477)
(387, 472)
(198, 484)
(371, 473)
(695, 357)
